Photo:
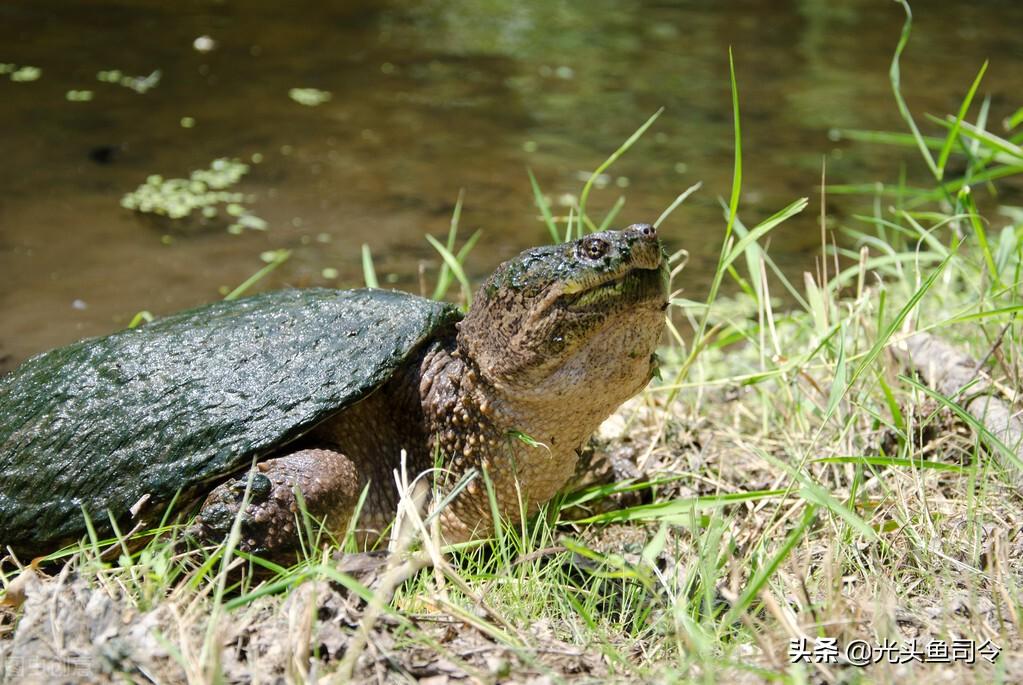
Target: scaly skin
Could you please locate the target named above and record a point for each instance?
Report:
(556, 340)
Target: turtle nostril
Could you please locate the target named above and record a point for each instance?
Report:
(646, 230)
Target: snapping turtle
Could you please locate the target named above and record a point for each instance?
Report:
(325, 389)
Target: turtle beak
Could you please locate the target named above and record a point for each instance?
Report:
(645, 248)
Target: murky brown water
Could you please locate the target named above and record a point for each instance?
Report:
(430, 98)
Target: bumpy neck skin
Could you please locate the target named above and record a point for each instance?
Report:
(524, 437)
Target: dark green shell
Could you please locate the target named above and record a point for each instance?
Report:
(189, 398)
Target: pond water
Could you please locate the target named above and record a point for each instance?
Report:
(427, 99)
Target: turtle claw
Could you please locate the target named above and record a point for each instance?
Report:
(269, 521)
(258, 492)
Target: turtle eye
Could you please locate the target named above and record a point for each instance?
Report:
(594, 248)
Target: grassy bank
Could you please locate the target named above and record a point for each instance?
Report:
(792, 479)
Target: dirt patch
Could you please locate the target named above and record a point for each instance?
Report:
(74, 631)
(71, 632)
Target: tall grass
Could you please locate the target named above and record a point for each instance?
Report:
(794, 480)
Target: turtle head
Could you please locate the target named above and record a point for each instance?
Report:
(575, 319)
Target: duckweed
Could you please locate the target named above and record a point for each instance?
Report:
(310, 97)
(206, 191)
(140, 84)
(25, 74)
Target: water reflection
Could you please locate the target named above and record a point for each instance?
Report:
(428, 98)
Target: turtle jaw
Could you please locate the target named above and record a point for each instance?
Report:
(637, 287)
(602, 337)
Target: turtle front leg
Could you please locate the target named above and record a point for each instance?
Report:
(328, 481)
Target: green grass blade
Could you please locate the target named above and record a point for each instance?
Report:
(883, 189)
(893, 461)
(733, 209)
(815, 493)
(815, 299)
(920, 234)
(463, 253)
(541, 204)
(444, 277)
(1002, 151)
(894, 75)
(982, 177)
(612, 213)
(1010, 456)
(946, 149)
(765, 572)
(992, 312)
(892, 138)
(755, 252)
(456, 268)
(893, 405)
(143, 316)
(733, 201)
(622, 149)
(280, 257)
(762, 228)
(1015, 120)
(965, 198)
(679, 510)
(838, 385)
(369, 274)
(678, 201)
(896, 323)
